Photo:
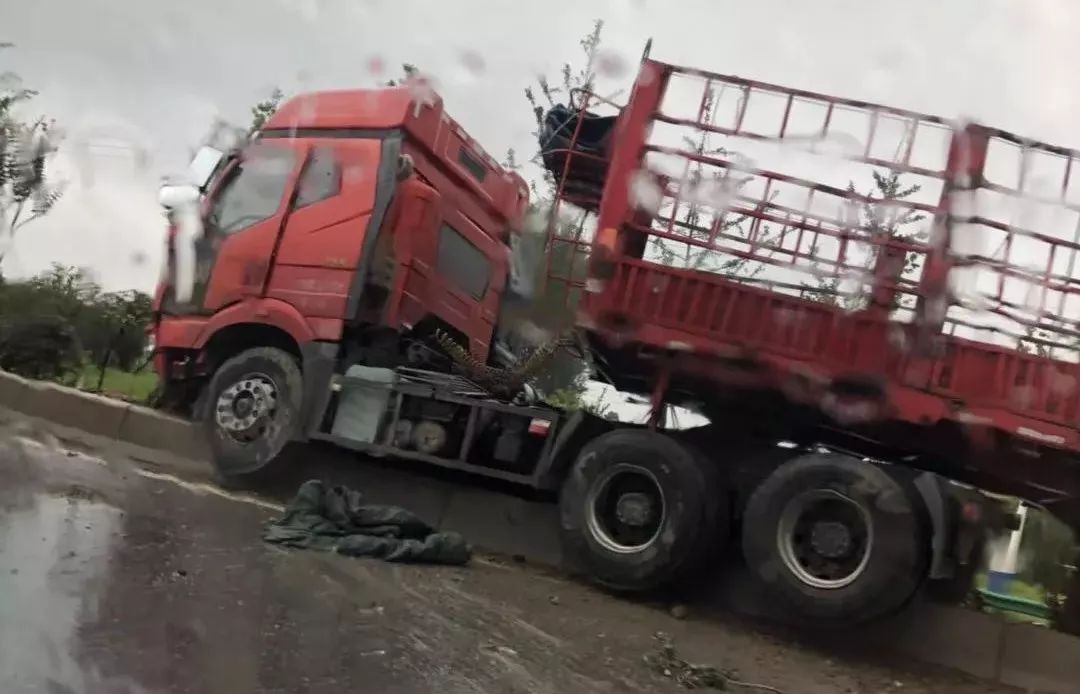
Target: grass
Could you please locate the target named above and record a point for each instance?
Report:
(1017, 589)
(125, 385)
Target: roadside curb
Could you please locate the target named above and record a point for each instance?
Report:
(979, 644)
(102, 416)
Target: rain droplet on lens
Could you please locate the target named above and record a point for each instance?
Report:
(421, 91)
(307, 110)
(473, 62)
(610, 64)
(645, 193)
(353, 173)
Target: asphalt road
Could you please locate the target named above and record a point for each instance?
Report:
(114, 578)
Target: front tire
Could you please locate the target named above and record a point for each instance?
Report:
(835, 539)
(639, 511)
(251, 409)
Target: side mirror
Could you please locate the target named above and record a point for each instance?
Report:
(172, 196)
(203, 167)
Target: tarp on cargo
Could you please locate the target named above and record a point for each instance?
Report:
(335, 519)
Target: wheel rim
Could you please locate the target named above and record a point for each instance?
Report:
(825, 538)
(247, 409)
(625, 509)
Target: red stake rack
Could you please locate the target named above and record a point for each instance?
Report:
(743, 237)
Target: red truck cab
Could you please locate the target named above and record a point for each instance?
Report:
(350, 228)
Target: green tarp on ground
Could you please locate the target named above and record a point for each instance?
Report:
(336, 519)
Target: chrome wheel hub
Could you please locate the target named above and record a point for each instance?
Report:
(625, 509)
(825, 538)
(246, 404)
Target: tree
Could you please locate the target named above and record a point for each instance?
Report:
(510, 162)
(1048, 546)
(263, 110)
(108, 325)
(26, 150)
(879, 219)
(551, 307)
(409, 72)
(570, 80)
(118, 337)
(707, 193)
(1035, 341)
(38, 346)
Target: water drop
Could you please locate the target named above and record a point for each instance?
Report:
(714, 193)
(473, 62)
(1023, 396)
(376, 66)
(421, 91)
(353, 173)
(645, 193)
(1062, 384)
(610, 64)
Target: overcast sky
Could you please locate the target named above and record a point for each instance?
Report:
(125, 76)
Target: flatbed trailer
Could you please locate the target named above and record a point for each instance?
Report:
(949, 345)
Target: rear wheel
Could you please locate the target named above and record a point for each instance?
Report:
(639, 511)
(251, 409)
(834, 538)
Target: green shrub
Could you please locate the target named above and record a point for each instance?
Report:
(39, 347)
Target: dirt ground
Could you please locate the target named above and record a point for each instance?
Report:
(116, 578)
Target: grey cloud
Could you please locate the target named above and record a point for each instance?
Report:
(156, 73)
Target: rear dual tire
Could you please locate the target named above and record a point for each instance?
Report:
(834, 539)
(640, 511)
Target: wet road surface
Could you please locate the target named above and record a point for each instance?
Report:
(117, 579)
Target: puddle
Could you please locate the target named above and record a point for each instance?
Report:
(54, 551)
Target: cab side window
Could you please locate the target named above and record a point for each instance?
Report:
(253, 190)
(321, 178)
(462, 263)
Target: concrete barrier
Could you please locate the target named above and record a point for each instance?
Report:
(1033, 658)
(92, 413)
(950, 636)
(12, 389)
(151, 429)
(1038, 659)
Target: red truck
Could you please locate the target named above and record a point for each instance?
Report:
(859, 382)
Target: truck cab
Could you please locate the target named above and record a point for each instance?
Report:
(353, 226)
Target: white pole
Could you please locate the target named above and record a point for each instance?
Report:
(1006, 556)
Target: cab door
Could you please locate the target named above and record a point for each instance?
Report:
(470, 276)
(242, 220)
(322, 248)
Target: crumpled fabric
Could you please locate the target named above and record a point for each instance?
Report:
(336, 519)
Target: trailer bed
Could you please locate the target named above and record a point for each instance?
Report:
(910, 279)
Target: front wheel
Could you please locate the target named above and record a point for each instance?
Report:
(640, 511)
(251, 409)
(836, 539)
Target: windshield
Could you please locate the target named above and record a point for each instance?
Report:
(252, 189)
